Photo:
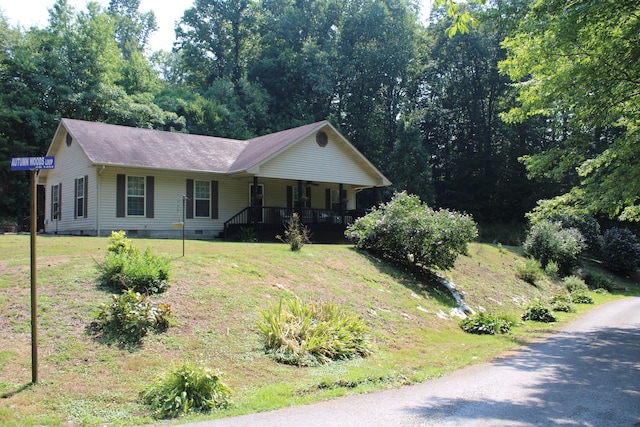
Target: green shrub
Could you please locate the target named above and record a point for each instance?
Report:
(312, 334)
(548, 241)
(296, 234)
(562, 302)
(486, 323)
(142, 272)
(409, 232)
(118, 243)
(552, 270)
(538, 312)
(621, 251)
(529, 271)
(247, 235)
(587, 226)
(597, 281)
(187, 388)
(581, 298)
(575, 284)
(130, 315)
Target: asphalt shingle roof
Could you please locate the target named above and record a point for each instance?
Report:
(108, 144)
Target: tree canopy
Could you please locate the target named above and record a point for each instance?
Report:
(578, 63)
(424, 105)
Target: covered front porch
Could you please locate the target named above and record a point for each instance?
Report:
(326, 209)
(265, 223)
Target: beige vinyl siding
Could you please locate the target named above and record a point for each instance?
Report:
(71, 163)
(308, 161)
(169, 189)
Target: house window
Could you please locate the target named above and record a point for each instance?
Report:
(80, 197)
(321, 139)
(135, 195)
(55, 201)
(202, 199)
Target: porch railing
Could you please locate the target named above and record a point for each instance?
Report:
(272, 219)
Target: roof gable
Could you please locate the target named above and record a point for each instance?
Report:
(263, 148)
(323, 155)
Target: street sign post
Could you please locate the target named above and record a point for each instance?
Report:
(33, 164)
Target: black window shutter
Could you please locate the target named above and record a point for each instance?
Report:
(60, 201)
(327, 198)
(121, 187)
(75, 198)
(150, 197)
(189, 199)
(86, 195)
(214, 199)
(53, 214)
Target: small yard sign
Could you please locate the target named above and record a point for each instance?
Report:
(32, 163)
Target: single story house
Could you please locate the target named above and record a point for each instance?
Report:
(153, 183)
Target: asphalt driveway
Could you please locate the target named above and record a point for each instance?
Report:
(588, 374)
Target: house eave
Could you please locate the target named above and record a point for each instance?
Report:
(154, 168)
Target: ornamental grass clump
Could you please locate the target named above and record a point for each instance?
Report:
(187, 388)
(310, 334)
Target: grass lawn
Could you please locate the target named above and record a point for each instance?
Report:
(216, 291)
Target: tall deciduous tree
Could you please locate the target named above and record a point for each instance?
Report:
(296, 58)
(377, 50)
(214, 39)
(474, 153)
(132, 27)
(580, 59)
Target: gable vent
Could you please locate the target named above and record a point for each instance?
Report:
(321, 139)
(69, 140)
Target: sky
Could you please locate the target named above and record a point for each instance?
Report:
(28, 13)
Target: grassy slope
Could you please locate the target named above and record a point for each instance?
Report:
(216, 291)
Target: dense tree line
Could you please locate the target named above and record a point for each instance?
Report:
(426, 108)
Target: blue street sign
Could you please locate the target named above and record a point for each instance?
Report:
(32, 163)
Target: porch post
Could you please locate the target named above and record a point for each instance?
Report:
(254, 201)
(342, 202)
(300, 195)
